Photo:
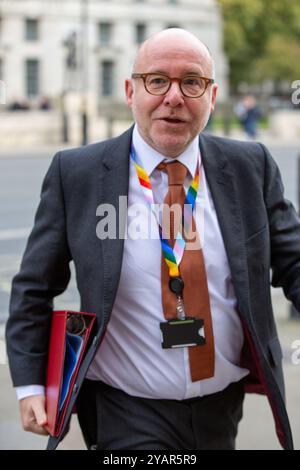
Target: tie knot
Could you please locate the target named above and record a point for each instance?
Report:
(176, 172)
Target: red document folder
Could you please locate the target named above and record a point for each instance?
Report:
(70, 332)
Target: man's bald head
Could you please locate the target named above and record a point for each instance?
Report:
(169, 121)
(173, 36)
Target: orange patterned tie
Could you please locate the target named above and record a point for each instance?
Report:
(192, 270)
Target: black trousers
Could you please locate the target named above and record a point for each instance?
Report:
(113, 420)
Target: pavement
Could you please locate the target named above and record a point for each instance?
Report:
(265, 136)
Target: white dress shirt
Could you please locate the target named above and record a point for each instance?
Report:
(130, 356)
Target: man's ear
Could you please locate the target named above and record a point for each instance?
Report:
(213, 96)
(129, 92)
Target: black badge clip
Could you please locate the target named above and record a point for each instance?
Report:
(180, 333)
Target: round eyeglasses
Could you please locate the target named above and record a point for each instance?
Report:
(192, 86)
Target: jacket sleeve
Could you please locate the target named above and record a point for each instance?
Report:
(44, 274)
(284, 226)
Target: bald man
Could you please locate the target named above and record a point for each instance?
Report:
(181, 335)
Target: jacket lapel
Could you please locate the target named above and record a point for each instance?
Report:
(222, 184)
(113, 184)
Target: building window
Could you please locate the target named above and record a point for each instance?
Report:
(32, 77)
(107, 75)
(140, 33)
(31, 30)
(2, 85)
(105, 33)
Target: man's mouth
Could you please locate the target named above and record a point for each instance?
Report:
(173, 120)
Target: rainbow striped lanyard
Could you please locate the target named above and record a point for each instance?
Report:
(173, 256)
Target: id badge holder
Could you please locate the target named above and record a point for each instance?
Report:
(180, 333)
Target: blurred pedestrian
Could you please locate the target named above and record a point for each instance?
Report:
(44, 103)
(248, 113)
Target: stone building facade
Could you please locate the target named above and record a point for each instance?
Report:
(49, 47)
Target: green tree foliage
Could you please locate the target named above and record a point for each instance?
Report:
(262, 39)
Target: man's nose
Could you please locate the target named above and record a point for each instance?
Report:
(174, 96)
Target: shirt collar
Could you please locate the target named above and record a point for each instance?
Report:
(150, 158)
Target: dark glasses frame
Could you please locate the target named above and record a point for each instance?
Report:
(208, 81)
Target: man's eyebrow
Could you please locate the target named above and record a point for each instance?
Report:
(163, 72)
(189, 72)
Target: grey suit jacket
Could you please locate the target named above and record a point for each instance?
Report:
(261, 231)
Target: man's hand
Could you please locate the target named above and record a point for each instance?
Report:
(33, 414)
